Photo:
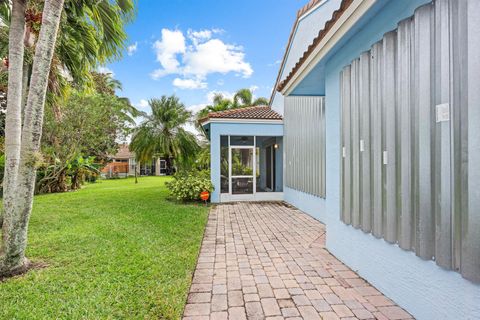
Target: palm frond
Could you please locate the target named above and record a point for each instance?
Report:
(162, 132)
(260, 102)
(5, 12)
(243, 97)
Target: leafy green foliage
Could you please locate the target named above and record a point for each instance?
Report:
(89, 124)
(69, 175)
(203, 158)
(83, 134)
(187, 185)
(104, 83)
(242, 98)
(92, 33)
(162, 133)
(83, 117)
(113, 250)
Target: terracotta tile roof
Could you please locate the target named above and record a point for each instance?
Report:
(123, 152)
(322, 33)
(255, 112)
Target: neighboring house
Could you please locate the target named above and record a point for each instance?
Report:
(376, 122)
(124, 164)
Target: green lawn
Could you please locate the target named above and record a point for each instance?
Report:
(114, 250)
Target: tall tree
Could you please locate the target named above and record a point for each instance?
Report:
(22, 144)
(163, 133)
(100, 35)
(90, 127)
(104, 83)
(242, 98)
(91, 33)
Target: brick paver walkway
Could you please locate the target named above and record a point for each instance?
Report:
(268, 261)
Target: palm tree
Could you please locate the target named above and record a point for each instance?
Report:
(90, 33)
(242, 98)
(104, 83)
(220, 103)
(162, 133)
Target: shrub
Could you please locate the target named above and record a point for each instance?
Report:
(187, 185)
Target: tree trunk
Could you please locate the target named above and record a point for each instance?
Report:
(13, 117)
(136, 178)
(168, 164)
(25, 78)
(16, 222)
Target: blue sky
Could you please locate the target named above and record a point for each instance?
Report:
(192, 48)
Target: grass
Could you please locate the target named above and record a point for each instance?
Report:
(114, 250)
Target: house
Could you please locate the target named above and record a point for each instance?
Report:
(124, 164)
(375, 127)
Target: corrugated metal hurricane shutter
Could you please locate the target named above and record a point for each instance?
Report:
(304, 143)
(410, 162)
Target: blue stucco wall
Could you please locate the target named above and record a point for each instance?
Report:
(245, 129)
(422, 287)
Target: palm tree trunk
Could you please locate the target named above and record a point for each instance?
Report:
(16, 222)
(136, 177)
(13, 117)
(168, 164)
(25, 78)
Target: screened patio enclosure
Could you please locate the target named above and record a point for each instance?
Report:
(246, 147)
(250, 168)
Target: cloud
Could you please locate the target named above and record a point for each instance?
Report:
(254, 88)
(131, 49)
(201, 56)
(105, 70)
(142, 105)
(209, 100)
(202, 35)
(210, 95)
(214, 56)
(196, 107)
(167, 49)
(189, 83)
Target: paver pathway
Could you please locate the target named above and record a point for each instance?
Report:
(268, 261)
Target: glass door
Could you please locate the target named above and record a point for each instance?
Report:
(163, 167)
(242, 170)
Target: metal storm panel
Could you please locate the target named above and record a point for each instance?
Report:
(410, 136)
(304, 139)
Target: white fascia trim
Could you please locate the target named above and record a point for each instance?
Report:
(348, 19)
(290, 44)
(231, 120)
(312, 9)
